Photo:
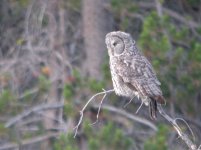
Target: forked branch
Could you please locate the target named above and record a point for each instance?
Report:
(183, 136)
(85, 106)
(173, 122)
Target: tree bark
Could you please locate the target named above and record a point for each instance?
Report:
(95, 27)
(53, 118)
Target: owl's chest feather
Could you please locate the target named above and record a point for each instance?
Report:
(118, 83)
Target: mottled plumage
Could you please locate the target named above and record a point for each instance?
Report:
(132, 74)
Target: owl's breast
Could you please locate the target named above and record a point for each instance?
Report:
(118, 83)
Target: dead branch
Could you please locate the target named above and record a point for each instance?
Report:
(83, 109)
(183, 136)
(29, 141)
(112, 109)
(32, 110)
(129, 116)
(31, 92)
(99, 108)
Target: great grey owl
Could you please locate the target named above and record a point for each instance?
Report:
(132, 74)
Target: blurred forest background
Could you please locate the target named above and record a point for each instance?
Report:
(53, 59)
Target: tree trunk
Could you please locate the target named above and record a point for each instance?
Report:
(95, 27)
(53, 118)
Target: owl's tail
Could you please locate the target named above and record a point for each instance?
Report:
(153, 109)
(153, 106)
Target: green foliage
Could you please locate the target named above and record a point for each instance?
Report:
(93, 144)
(114, 137)
(3, 130)
(125, 23)
(152, 37)
(106, 69)
(170, 70)
(68, 91)
(95, 85)
(77, 76)
(68, 110)
(87, 128)
(23, 3)
(195, 53)
(73, 4)
(65, 142)
(122, 5)
(178, 54)
(159, 141)
(116, 4)
(27, 95)
(165, 88)
(186, 82)
(193, 3)
(20, 41)
(132, 8)
(178, 34)
(109, 137)
(44, 83)
(122, 12)
(5, 98)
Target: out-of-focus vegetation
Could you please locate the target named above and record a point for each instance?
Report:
(45, 81)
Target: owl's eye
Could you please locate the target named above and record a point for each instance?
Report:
(118, 45)
(114, 44)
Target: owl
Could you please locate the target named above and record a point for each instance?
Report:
(132, 74)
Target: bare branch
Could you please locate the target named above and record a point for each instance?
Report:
(183, 136)
(191, 131)
(31, 92)
(29, 141)
(32, 110)
(83, 109)
(99, 108)
(130, 116)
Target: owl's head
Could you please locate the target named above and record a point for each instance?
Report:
(120, 43)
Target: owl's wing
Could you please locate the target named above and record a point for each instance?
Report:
(139, 73)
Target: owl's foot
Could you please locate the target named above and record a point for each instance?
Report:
(137, 95)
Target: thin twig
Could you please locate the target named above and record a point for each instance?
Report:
(183, 136)
(28, 112)
(99, 108)
(29, 141)
(83, 109)
(181, 119)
